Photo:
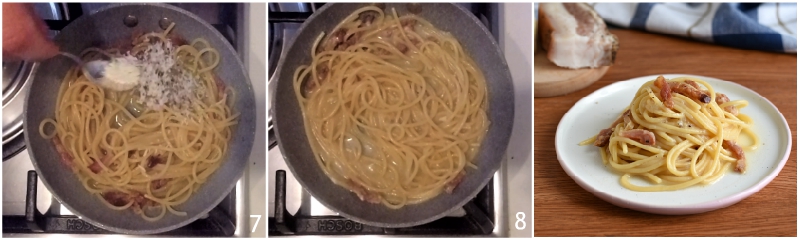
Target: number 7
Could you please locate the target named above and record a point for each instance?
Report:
(258, 218)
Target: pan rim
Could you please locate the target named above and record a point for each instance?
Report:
(248, 138)
(469, 197)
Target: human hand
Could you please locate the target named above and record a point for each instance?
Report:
(25, 35)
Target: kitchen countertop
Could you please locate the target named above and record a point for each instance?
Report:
(255, 57)
(564, 208)
(515, 41)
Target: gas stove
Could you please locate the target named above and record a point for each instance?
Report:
(294, 212)
(29, 210)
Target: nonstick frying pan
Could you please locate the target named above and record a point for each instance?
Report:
(105, 27)
(290, 132)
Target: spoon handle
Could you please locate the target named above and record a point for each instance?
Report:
(73, 57)
(81, 65)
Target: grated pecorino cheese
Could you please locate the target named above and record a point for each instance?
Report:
(163, 82)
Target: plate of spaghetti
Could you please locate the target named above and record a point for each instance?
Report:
(156, 143)
(673, 144)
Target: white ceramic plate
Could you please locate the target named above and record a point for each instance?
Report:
(601, 108)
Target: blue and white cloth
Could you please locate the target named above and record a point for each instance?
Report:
(756, 26)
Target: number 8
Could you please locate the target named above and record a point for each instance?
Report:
(520, 219)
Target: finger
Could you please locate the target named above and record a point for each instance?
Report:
(24, 36)
(41, 49)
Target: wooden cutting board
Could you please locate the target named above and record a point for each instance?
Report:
(550, 80)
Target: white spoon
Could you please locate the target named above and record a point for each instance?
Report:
(95, 71)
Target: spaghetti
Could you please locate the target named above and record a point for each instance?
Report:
(676, 134)
(394, 108)
(134, 151)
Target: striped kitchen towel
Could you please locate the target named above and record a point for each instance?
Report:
(757, 26)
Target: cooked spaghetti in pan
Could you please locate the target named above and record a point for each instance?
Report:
(148, 148)
(394, 109)
(677, 133)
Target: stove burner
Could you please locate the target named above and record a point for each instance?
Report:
(15, 90)
(13, 147)
(15, 87)
(284, 19)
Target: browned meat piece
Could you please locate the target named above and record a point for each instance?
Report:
(693, 83)
(140, 202)
(366, 19)
(334, 40)
(220, 87)
(309, 86)
(177, 40)
(387, 34)
(121, 199)
(689, 88)
(603, 137)
(628, 120)
(154, 160)
(666, 91)
(605, 134)
(415, 41)
(454, 183)
(402, 48)
(640, 135)
(143, 201)
(158, 184)
(722, 98)
(115, 198)
(659, 82)
(106, 161)
(95, 166)
(66, 159)
(621, 118)
(737, 153)
(408, 24)
(352, 40)
(691, 92)
(363, 193)
(322, 74)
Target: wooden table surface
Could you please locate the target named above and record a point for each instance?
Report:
(562, 208)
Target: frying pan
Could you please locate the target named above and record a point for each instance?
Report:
(290, 132)
(105, 27)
